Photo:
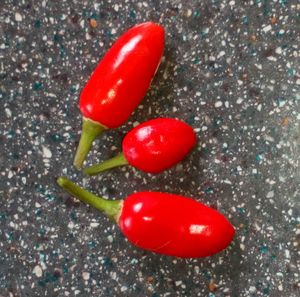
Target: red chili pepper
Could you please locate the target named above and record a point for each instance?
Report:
(119, 83)
(163, 223)
(152, 146)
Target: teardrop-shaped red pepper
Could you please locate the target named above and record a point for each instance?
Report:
(163, 223)
(119, 83)
(153, 146)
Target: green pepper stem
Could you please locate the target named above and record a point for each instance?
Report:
(111, 208)
(116, 161)
(90, 130)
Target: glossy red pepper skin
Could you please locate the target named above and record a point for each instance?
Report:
(174, 225)
(158, 144)
(123, 76)
(163, 223)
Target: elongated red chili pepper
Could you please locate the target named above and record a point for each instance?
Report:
(153, 146)
(119, 83)
(163, 223)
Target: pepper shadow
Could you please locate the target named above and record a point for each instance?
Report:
(195, 274)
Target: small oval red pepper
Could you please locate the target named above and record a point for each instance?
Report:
(119, 83)
(153, 146)
(163, 223)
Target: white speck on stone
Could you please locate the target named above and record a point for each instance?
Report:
(280, 287)
(46, 152)
(239, 100)
(278, 50)
(85, 275)
(113, 31)
(269, 138)
(18, 17)
(232, 3)
(217, 161)
(37, 270)
(287, 254)
(71, 225)
(242, 246)
(116, 7)
(270, 194)
(272, 58)
(218, 104)
(267, 28)
(87, 36)
(8, 112)
(13, 225)
(123, 289)
(270, 181)
(221, 54)
(252, 289)
(227, 181)
(189, 13)
(258, 66)
(94, 224)
(110, 238)
(259, 107)
(178, 283)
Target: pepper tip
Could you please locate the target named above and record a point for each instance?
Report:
(60, 181)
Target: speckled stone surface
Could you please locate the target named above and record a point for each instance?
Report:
(230, 69)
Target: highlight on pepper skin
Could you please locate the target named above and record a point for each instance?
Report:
(163, 223)
(119, 83)
(153, 146)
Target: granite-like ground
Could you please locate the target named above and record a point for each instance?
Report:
(230, 69)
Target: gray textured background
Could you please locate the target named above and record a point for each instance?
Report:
(230, 69)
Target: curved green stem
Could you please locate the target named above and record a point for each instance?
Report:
(116, 161)
(90, 130)
(111, 208)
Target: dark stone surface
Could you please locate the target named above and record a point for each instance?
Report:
(231, 70)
